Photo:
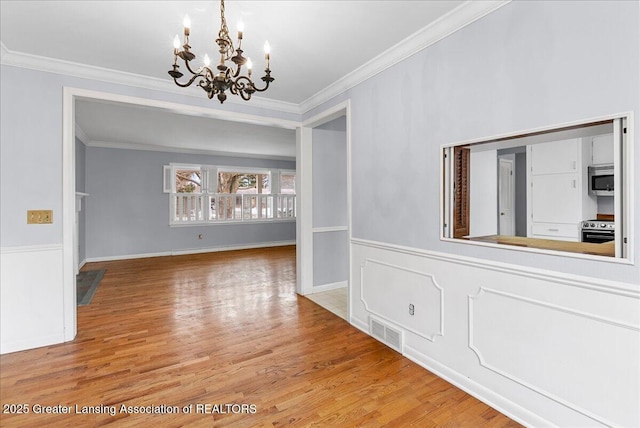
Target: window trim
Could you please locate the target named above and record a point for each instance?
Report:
(624, 169)
(210, 182)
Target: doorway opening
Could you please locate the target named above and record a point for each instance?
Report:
(72, 99)
(324, 232)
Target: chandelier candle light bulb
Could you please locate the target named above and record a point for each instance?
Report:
(186, 22)
(267, 52)
(176, 49)
(240, 30)
(229, 71)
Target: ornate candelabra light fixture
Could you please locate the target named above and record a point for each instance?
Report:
(225, 77)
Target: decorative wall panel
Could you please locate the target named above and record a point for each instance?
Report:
(410, 299)
(551, 349)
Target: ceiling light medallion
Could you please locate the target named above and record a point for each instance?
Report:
(227, 77)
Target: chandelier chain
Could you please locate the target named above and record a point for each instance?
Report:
(224, 34)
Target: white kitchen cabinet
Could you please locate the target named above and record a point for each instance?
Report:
(554, 198)
(602, 149)
(555, 157)
(557, 193)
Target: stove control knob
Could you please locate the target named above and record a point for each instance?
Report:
(592, 225)
(602, 225)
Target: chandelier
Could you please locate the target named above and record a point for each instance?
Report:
(225, 77)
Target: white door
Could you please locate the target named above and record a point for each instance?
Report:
(506, 198)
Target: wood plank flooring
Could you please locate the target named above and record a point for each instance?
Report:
(223, 340)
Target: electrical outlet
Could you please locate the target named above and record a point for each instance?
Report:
(412, 309)
(39, 216)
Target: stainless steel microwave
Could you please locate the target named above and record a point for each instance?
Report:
(601, 180)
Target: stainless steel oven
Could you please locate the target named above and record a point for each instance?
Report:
(598, 231)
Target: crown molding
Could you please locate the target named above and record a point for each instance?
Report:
(186, 150)
(460, 17)
(53, 65)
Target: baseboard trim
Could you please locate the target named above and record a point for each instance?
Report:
(190, 251)
(498, 402)
(31, 343)
(364, 327)
(328, 287)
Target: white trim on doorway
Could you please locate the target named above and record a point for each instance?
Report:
(69, 96)
(305, 230)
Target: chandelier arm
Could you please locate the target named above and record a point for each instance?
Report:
(240, 88)
(245, 90)
(207, 73)
(245, 95)
(237, 72)
(188, 65)
(241, 85)
(207, 88)
(267, 79)
(189, 82)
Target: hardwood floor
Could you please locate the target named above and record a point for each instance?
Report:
(226, 334)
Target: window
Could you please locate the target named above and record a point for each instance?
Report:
(216, 194)
(244, 182)
(535, 190)
(288, 182)
(188, 180)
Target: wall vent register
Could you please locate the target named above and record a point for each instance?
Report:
(386, 334)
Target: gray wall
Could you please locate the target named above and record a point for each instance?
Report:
(31, 140)
(527, 65)
(330, 249)
(606, 205)
(128, 213)
(330, 174)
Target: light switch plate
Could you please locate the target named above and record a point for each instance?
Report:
(39, 216)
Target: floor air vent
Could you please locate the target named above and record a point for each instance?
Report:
(387, 335)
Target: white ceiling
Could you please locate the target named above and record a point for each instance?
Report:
(111, 124)
(314, 44)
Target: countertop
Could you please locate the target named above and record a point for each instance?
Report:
(605, 249)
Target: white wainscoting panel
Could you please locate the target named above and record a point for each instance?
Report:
(553, 349)
(391, 288)
(545, 348)
(31, 297)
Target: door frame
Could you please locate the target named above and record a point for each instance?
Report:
(304, 166)
(512, 180)
(69, 96)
